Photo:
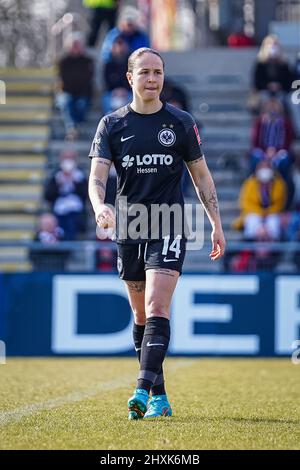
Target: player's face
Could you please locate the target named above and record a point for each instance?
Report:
(148, 77)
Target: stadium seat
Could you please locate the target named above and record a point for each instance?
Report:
(13, 253)
(15, 266)
(13, 235)
(29, 73)
(39, 88)
(28, 102)
(21, 206)
(24, 136)
(17, 221)
(24, 132)
(24, 117)
(20, 191)
(15, 174)
(18, 146)
(22, 161)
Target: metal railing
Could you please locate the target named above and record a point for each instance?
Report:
(262, 256)
(90, 256)
(66, 256)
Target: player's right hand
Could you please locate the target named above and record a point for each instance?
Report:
(105, 217)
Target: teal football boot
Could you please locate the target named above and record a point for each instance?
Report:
(137, 404)
(158, 406)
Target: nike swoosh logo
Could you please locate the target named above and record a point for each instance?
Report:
(138, 349)
(154, 344)
(126, 138)
(168, 260)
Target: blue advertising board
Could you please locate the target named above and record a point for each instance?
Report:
(44, 314)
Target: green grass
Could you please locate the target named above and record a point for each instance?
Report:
(82, 404)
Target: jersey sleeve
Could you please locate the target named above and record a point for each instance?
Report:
(100, 145)
(193, 149)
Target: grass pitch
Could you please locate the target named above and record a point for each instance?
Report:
(81, 403)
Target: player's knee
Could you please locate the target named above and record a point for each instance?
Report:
(156, 308)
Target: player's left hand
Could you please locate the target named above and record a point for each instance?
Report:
(218, 244)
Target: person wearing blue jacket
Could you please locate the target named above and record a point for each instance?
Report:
(129, 30)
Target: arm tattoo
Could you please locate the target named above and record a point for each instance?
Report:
(98, 182)
(136, 286)
(212, 202)
(103, 162)
(193, 162)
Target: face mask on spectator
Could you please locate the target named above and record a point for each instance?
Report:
(264, 175)
(67, 165)
(274, 51)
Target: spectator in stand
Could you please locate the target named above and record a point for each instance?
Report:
(66, 191)
(75, 82)
(262, 199)
(291, 220)
(272, 136)
(103, 11)
(272, 75)
(272, 72)
(175, 95)
(106, 258)
(128, 28)
(118, 91)
(238, 37)
(296, 72)
(294, 98)
(49, 234)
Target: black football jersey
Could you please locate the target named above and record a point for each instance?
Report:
(148, 151)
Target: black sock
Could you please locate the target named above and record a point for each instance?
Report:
(154, 347)
(138, 334)
(158, 387)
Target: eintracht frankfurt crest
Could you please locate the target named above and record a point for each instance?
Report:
(167, 137)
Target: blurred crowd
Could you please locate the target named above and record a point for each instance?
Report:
(270, 195)
(77, 87)
(77, 68)
(76, 90)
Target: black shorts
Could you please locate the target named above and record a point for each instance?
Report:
(133, 260)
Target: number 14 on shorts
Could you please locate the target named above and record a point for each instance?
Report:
(173, 247)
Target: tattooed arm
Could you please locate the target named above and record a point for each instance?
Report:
(97, 187)
(206, 192)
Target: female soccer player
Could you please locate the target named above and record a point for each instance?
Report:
(149, 141)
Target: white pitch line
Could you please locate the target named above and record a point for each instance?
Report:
(18, 413)
(6, 417)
